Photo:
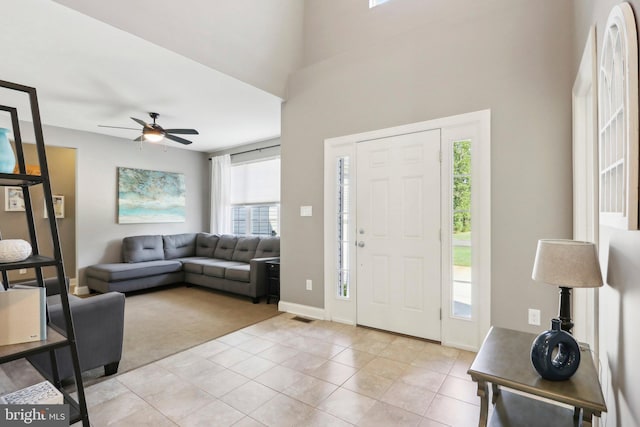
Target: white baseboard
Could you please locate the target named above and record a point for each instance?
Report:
(344, 321)
(302, 310)
(459, 346)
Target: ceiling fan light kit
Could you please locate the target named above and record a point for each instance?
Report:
(155, 133)
(152, 135)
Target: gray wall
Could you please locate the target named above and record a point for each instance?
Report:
(619, 348)
(13, 225)
(98, 156)
(368, 70)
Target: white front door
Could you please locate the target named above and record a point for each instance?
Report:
(398, 234)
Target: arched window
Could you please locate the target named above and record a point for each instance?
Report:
(618, 121)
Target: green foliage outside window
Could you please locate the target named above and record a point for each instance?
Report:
(462, 186)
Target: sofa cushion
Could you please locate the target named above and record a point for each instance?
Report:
(195, 264)
(225, 247)
(179, 245)
(142, 248)
(239, 273)
(192, 267)
(206, 244)
(217, 267)
(245, 249)
(122, 271)
(268, 247)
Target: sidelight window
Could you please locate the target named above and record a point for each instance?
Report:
(343, 226)
(461, 230)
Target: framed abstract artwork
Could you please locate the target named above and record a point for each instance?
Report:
(148, 196)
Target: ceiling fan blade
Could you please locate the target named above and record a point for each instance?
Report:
(140, 138)
(177, 139)
(116, 127)
(182, 131)
(140, 122)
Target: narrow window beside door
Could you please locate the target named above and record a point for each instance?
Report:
(343, 240)
(461, 230)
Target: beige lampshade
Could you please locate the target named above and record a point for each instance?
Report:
(567, 263)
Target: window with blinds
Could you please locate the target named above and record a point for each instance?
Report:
(255, 197)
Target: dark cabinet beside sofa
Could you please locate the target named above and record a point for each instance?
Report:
(273, 274)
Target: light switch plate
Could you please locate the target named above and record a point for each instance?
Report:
(534, 317)
(306, 210)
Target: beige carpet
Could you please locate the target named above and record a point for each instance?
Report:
(166, 321)
(159, 323)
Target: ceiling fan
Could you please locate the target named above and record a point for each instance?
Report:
(155, 133)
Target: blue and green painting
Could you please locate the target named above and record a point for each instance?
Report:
(146, 196)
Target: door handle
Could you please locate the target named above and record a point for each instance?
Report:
(361, 244)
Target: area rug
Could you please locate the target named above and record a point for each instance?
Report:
(163, 322)
(159, 323)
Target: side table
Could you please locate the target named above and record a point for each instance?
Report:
(504, 359)
(273, 279)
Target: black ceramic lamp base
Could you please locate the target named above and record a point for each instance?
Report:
(555, 354)
(565, 309)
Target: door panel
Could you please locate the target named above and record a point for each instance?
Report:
(380, 280)
(398, 222)
(412, 201)
(412, 283)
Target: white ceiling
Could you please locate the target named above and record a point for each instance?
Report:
(88, 73)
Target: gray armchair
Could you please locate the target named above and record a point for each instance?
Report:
(99, 326)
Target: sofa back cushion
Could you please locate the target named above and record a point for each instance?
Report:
(224, 248)
(245, 249)
(179, 245)
(206, 244)
(268, 247)
(142, 248)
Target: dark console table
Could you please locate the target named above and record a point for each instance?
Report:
(504, 360)
(273, 271)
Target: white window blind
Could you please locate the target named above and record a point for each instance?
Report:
(255, 182)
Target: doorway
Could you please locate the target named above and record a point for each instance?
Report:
(390, 213)
(585, 185)
(398, 232)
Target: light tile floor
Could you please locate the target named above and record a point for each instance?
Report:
(283, 372)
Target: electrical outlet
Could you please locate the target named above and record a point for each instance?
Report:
(309, 284)
(22, 271)
(534, 317)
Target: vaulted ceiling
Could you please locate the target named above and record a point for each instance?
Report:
(218, 66)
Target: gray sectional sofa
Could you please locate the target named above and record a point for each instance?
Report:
(225, 262)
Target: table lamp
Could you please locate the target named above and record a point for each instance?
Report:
(567, 264)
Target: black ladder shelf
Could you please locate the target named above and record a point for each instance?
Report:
(56, 338)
